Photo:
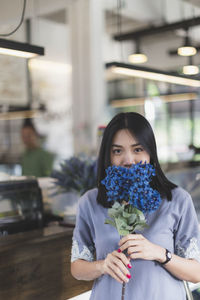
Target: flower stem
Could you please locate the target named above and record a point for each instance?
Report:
(123, 284)
(123, 290)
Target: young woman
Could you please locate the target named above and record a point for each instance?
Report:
(160, 257)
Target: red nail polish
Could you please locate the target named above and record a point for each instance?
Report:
(129, 266)
(128, 276)
(119, 250)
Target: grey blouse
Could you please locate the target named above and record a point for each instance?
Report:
(173, 226)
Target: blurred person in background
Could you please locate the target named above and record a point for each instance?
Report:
(35, 160)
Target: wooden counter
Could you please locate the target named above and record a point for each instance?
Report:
(36, 265)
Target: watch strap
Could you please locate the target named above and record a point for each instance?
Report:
(168, 257)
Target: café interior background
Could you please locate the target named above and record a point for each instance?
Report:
(69, 92)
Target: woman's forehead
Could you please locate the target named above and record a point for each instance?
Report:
(124, 135)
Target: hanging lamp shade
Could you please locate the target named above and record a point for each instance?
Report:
(14, 48)
(138, 57)
(187, 49)
(190, 69)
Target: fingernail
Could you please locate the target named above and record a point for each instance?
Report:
(128, 276)
(129, 266)
(119, 250)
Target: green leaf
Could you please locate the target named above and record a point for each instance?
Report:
(132, 219)
(130, 228)
(140, 214)
(113, 212)
(125, 218)
(140, 226)
(116, 210)
(120, 221)
(126, 214)
(120, 224)
(111, 222)
(123, 232)
(116, 205)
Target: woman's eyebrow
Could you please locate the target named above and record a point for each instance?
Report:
(120, 146)
(135, 145)
(115, 145)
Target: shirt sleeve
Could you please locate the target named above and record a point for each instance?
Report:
(187, 234)
(82, 241)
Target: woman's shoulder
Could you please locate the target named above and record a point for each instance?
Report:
(89, 198)
(179, 192)
(90, 194)
(181, 197)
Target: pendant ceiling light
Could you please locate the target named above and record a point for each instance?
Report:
(138, 57)
(122, 69)
(14, 48)
(187, 49)
(190, 69)
(19, 49)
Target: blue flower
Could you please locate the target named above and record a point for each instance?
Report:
(132, 185)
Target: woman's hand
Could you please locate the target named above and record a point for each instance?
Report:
(116, 264)
(138, 246)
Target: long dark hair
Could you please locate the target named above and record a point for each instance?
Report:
(142, 131)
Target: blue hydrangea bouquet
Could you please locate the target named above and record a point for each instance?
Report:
(130, 191)
(132, 196)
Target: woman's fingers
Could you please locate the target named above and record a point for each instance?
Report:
(128, 239)
(116, 265)
(126, 260)
(138, 246)
(113, 275)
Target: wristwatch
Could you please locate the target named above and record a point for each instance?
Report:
(168, 257)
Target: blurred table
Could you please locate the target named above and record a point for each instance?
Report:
(36, 265)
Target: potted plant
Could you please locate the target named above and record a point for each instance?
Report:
(75, 176)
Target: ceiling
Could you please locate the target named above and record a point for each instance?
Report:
(131, 16)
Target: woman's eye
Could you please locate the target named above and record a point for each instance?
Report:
(116, 151)
(138, 149)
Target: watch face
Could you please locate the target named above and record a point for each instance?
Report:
(169, 255)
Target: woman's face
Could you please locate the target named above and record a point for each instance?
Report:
(126, 150)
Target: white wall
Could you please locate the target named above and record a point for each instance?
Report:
(51, 79)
